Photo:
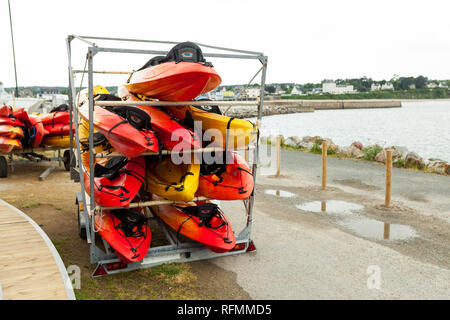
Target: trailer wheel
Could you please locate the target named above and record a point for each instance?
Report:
(3, 167)
(66, 159)
(81, 228)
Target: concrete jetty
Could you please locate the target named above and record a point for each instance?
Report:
(273, 107)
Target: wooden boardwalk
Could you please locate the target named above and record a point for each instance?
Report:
(30, 266)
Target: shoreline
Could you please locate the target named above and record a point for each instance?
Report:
(402, 158)
(287, 106)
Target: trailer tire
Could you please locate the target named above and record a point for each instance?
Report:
(3, 167)
(81, 229)
(66, 159)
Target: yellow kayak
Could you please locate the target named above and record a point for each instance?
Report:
(241, 132)
(58, 141)
(172, 181)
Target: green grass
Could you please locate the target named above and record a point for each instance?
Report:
(32, 205)
(371, 152)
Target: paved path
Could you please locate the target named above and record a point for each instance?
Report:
(305, 255)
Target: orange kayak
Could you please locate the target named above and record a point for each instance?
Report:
(171, 81)
(11, 131)
(127, 231)
(8, 144)
(215, 232)
(230, 181)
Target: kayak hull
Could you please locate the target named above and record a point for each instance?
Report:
(171, 81)
(108, 227)
(217, 240)
(235, 183)
(125, 138)
(8, 144)
(241, 132)
(172, 181)
(10, 131)
(119, 191)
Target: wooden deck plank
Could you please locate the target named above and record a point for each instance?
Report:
(30, 267)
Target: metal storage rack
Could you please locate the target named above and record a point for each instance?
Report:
(186, 251)
(33, 155)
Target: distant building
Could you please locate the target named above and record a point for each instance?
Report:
(331, 87)
(26, 93)
(387, 86)
(412, 86)
(432, 85)
(377, 87)
(279, 91)
(297, 91)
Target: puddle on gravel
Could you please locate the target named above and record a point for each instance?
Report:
(378, 230)
(366, 227)
(331, 206)
(280, 193)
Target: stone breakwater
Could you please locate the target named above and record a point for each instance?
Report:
(274, 107)
(401, 157)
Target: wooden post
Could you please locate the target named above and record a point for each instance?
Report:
(387, 229)
(324, 165)
(387, 201)
(278, 155)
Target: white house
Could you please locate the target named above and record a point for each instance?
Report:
(387, 86)
(375, 87)
(331, 87)
(296, 90)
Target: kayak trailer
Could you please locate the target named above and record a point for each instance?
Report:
(34, 155)
(179, 249)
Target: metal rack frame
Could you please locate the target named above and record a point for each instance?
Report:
(23, 152)
(107, 262)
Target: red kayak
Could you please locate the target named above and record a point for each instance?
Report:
(36, 131)
(123, 133)
(117, 181)
(126, 231)
(181, 75)
(5, 111)
(170, 132)
(171, 81)
(11, 121)
(22, 115)
(58, 129)
(213, 230)
(10, 131)
(232, 181)
(9, 144)
(55, 117)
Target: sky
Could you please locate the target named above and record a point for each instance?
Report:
(305, 41)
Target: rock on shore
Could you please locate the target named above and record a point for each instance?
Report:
(401, 157)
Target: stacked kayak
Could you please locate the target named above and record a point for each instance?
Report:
(57, 125)
(19, 129)
(139, 170)
(11, 130)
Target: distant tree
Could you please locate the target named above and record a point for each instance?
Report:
(270, 89)
(420, 82)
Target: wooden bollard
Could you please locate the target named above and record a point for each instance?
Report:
(278, 155)
(324, 165)
(387, 201)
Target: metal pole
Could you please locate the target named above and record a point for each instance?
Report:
(16, 94)
(78, 151)
(91, 131)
